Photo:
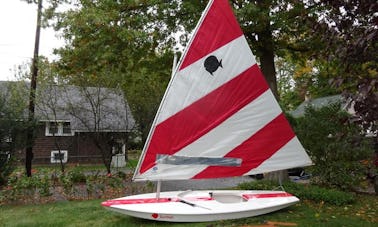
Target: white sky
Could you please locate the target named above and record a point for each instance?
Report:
(18, 23)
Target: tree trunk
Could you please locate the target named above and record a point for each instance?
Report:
(266, 51)
(33, 86)
(277, 176)
(269, 71)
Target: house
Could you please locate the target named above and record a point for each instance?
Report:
(318, 103)
(78, 124)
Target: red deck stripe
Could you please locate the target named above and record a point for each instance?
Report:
(218, 28)
(255, 150)
(150, 200)
(205, 114)
(267, 195)
(193, 199)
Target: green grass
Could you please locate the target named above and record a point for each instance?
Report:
(90, 213)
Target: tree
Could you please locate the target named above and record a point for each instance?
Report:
(286, 86)
(33, 85)
(126, 44)
(101, 113)
(12, 126)
(350, 33)
(110, 42)
(275, 28)
(117, 45)
(48, 110)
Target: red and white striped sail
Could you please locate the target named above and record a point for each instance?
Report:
(218, 117)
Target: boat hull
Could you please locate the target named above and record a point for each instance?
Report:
(201, 206)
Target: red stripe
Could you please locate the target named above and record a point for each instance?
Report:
(255, 150)
(134, 201)
(150, 200)
(167, 200)
(267, 195)
(218, 28)
(203, 115)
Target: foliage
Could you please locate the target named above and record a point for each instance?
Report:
(335, 145)
(12, 105)
(304, 191)
(124, 44)
(76, 183)
(286, 86)
(20, 185)
(278, 29)
(75, 175)
(351, 51)
(145, 90)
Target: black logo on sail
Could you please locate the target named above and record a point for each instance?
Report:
(212, 64)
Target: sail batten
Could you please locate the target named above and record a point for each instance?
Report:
(218, 117)
(188, 160)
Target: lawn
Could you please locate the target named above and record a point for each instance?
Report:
(78, 202)
(90, 213)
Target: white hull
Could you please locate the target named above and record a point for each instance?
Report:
(201, 206)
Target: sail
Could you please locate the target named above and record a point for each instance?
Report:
(218, 117)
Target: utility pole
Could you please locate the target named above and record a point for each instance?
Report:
(33, 87)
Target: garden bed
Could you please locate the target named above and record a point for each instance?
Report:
(46, 185)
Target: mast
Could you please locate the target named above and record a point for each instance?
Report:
(158, 186)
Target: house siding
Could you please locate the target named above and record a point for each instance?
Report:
(80, 147)
(43, 145)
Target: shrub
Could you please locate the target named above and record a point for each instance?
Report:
(12, 127)
(70, 178)
(6, 167)
(77, 176)
(20, 185)
(309, 192)
(336, 146)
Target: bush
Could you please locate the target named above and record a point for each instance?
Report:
(309, 192)
(71, 177)
(12, 127)
(6, 167)
(19, 185)
(335, 145)
(77, 176)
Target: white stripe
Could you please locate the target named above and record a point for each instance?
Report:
(194, 82)
(224, 138)
(236, 129)
(291, 155)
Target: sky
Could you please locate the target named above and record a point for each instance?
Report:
(18, 24)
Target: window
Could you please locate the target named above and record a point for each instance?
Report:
(56, 156)
(62, 128)
(66, 127)
(53, 128)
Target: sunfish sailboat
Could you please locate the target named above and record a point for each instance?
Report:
(218, 118)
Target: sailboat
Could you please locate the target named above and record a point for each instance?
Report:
(217, 119)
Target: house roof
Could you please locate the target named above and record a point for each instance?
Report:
(316, 103)
(87, 108)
